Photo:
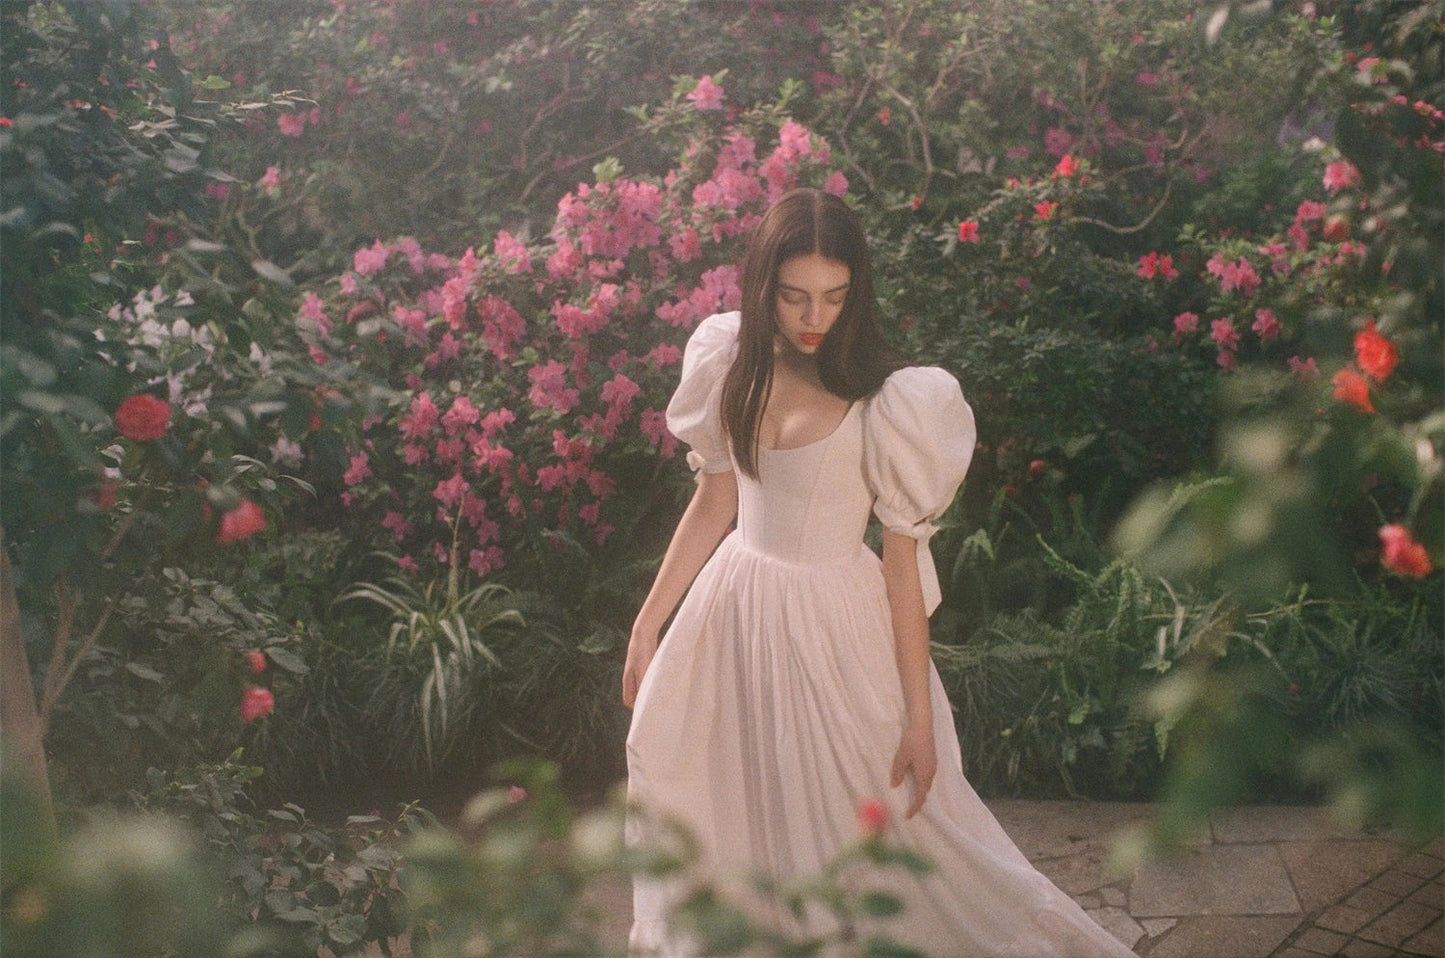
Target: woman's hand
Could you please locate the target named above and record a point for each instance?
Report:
(915, 757)
(640, 650)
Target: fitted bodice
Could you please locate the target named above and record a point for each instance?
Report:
(809, 504)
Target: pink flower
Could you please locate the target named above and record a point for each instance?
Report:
(685, 245)
(461, 415)
(1185, 324)
(1304, 368)
(1036, 468)
(256, 703)
(256, 661)
(1352, 388)
(1227, 360)
(512, 252)
(619, 392)
(359, 470)
(549, 387)
(654, 426)
(1057, 142)
(1067, 166)
(240, 523)
(398, 525)
(1341, 175)
(450, 491)
(968, 231)
(707, 95)
(1402, 554)
(142, 417)
(421, 420)
(370, 260)
(872, 817)
(1309, 211)
(836, 183)
(272, 180)
(1266, 324)
(1224, 334)
(291, 124)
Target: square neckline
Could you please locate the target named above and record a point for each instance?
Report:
(852, 405)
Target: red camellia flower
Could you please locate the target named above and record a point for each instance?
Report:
(242, 522)
(142, 417)
(256, 661)
(1401, 554)
(1352, 388)
(256, 702)
(872, 816)
(1376, 355)
(1336, 229)
(968, 231)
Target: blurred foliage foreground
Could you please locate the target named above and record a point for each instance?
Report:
(336, 338)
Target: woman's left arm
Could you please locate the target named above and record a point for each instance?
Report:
(916, 756)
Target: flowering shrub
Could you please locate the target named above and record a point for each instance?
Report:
(534, 376)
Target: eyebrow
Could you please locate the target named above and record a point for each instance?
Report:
(799, 289)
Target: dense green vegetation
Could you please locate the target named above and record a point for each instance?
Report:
(336, 335)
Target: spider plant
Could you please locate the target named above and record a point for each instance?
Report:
(444, 635)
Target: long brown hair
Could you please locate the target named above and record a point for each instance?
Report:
(853, 360)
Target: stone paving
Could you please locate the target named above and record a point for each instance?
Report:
(1259, 882)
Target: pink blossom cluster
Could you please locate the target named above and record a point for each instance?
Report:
(529, 389)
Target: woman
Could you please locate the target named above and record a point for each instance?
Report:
(795, 681)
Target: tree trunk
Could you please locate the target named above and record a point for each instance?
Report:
(21, 730)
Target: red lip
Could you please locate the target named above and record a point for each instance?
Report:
(811, 339)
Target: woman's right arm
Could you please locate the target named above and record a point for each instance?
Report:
(713, 507)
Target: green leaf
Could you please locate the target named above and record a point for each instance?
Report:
(880, 905)
(269, 270)
(145, 672)
(347, 930)
(214, 82)
(287, 659)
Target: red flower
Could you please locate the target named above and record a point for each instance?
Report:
(1352, 388)
(1401, 554)
(1036, 468)
(242, 522)
(1341, 175)
(885, 116)
(1045, 210)
(256, 661)
(1336, 229)
(872, 816)
(143, 417)
(105, 493)
(256, 702)
(968, 231)
(1376, 355)
(1068, 166)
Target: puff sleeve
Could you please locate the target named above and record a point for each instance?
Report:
(918, 439)
(694, 414)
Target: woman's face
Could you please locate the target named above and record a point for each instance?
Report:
(811, 292)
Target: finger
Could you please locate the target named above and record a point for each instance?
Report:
(895, 774)
(922, 784)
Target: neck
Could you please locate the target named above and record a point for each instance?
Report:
(794, 363)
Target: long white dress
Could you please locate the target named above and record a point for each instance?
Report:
(773, 707)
